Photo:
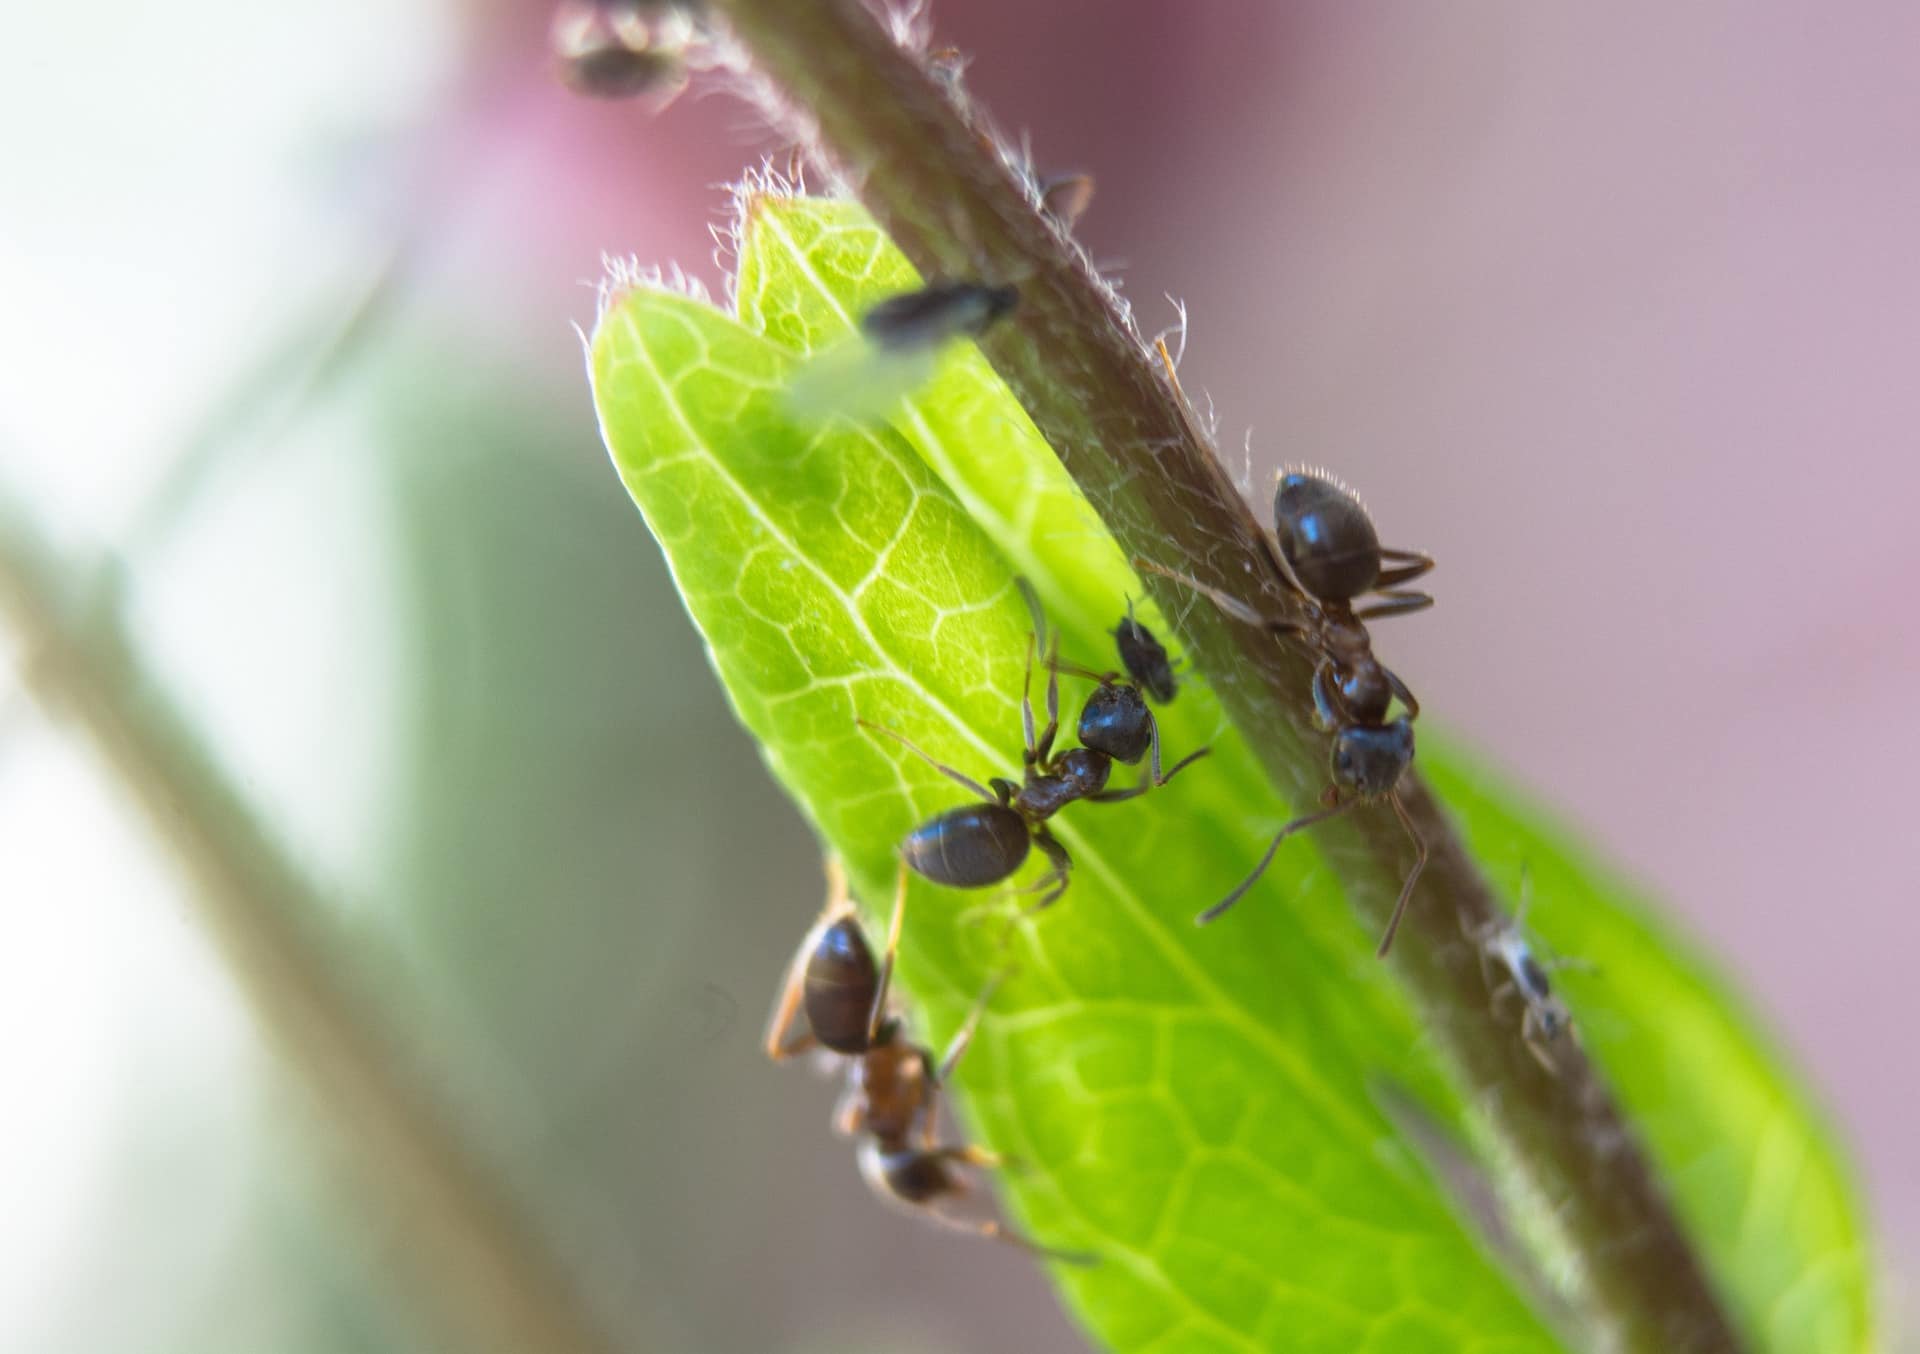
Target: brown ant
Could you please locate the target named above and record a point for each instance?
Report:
(978, 845)
(1331, 556)
(893, 1085)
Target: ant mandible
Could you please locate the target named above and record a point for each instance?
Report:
(893, 1085)
(978, 845)
(1331, 556)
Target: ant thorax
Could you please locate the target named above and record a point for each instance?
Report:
(890, 1083)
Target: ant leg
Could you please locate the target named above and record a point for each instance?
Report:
(1034, 609)
(938, 1077)
(997, 1231)
(1075, 670)
(1053, 700)
(787, 1006)
(957, 1046)
(1233, 606)
(1154, 766)
(968, 1154)
(1394, 604)
(1157, 780)
(1060, 874)
(850, 1110)
(1295, 826)
(1030, 754)
(1407, 698)
(878, 1012)
(1039, 750)
(1408, 565)
(1406, 887)
(941, 767)
(1326, 707)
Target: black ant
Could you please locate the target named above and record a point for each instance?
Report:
(893, 1084)
(1145, 658)
(977, 845)
(1331, 556)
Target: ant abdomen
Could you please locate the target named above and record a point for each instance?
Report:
(841, 981)
(969, 847)
(1115, 721)
(1369, 759)
(1326, 536)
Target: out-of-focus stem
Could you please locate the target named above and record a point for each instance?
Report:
(470, 1251)
(1128, 438)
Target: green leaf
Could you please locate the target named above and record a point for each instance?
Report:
(1197, 1106)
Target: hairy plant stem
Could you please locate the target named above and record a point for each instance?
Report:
(462, 1239)
(1126, 434)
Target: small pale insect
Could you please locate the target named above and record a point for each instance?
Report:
(1546, 1014)
(904, 335)
(1545, 1018)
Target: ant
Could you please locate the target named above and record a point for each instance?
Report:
(977, 845)
(1546, 1017)
(1331, 556)
(1145, 658)
(622, 49)
(893, 1085)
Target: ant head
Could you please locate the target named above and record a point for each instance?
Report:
(1326, 535)
(1115, 720)
(1368, 759)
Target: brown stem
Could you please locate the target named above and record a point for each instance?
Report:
(1126, 435)
(496, 1283)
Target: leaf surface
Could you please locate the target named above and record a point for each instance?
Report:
(1197, 1106)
